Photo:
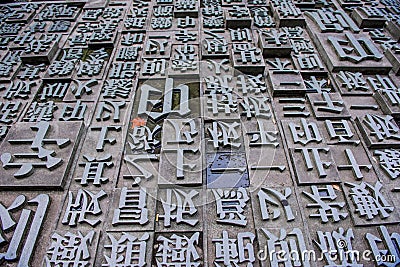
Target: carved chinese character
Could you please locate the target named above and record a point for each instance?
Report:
(186, 22)
(46, 158)
(53, 90)
(147, 91)
(185, 58)
(154, 66)
(128, 53)
(86, 204)
(309, 62)
(128, 250)
(231, 206)
(107, 108)
(272, 200)
(390, 243)
(70, 249)
(286, 243)
(353, 165)
(251, 84)
(137, 161)
(132, 38)
(156, 45)
(222, 103)
(213, 22)
(93, 171)
(132, 207)
(19, 89)
(117, 88)
(382, 127)
(123, 70)
(214, 43)
(305, 133)
(247, 53)
(224, 134)
(241, 35)
(74, 112)
(9, 111)
(314, 160)
(323, 200)
(355, 49)
(263, 137)
(352, 81)
(238, 251)
(339, 241)
(79, 88)
(389, 160)
(369, 202)
(31, 72)
(218, 84)
(60, 26)
(256, 107)
(185, 131)
(161, 23)
(19, 247)
(179, 206)
(94, 64)
(40, 112)
(185, 36)
(329, 20)
(178, 250)
(62, 67)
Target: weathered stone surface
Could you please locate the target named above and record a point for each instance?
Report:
(39, 155)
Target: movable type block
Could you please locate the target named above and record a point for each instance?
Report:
(126, 248)
(352, 83)
(179, 210)
(41, 49)
(317, 84)
(237, 17)
(184, 8)
(284, 79)
(83, 243)
(157, 46)
(184, 61)
(247, 58)
(214, 44)
(189, 244)
(369, 17)
(229, 247)
(328, 106)
(326, 20)
(351, 52)
(283, 241)
(132, 209)
(324, 204)
(370, 204)
(25, 225)
(33, 151)
(303, 133)
(274, 42)
(309, 64)
(265, 154)
(287, 14)
(314, 165)
(379, 130)
(274, 207)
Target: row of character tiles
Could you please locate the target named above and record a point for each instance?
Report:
(223, 244)
(181, 140)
